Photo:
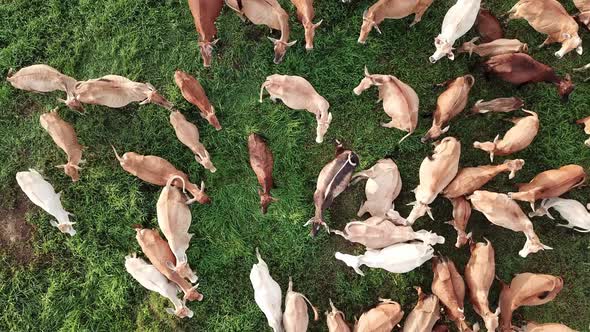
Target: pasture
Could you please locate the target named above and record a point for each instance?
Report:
(51, 282)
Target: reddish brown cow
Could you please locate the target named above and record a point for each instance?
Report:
(521, 68)
(205, 12)
(194, 93)
(261, 162)
(305, 14)
(488, 26)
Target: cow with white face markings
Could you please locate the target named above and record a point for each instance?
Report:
(458, 20)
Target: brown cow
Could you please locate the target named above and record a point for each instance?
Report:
(550, 18)
(383, 9)
(449, 287)
(461, 215)
(194, 93)
(158, 171)
(188, 134)
(384, 317)
(469, 179)
(305, 14)
(495, 47)
(271, 14)
(584, 15)
(158, 252)
(64, 136)
(488, 26)
(425, 313)
(335, 320)
(261, 162)
(205, 12)
(498, 105)
(521, 68)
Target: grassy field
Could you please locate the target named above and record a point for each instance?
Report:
(51, 282)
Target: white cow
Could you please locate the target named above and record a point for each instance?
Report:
(149, 277)
(42, 194)
(267, 294)
(458, 20)
(571, 210)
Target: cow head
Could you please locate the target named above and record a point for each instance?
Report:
(568, 44)
(206, 48)
(72, 171)
(183, 269)
(310, 33)
(280, 49)
(265, 200)
(323, 125)
(367, 82)
(443, 47)
(211, 118)
(181, 312)
(154, 97)
(367, 26)
(72, 103)
(203, 158)
(565, 87)
(65, 227)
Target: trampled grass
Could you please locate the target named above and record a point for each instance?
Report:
(80, 284)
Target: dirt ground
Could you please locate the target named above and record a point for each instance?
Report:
(16, 233)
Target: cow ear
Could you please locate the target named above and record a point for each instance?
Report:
(53, 223)
(451, 56)
(365, 13)
(318, 24)
(273, 40)
(214, 42)
(329, 117)
(291, 43)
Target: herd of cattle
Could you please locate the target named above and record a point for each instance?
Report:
(390, 241)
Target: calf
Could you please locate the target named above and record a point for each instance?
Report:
(498, 105)
(298, 94)
(488, 26)
(305, 14)
(43, 78)
(117, 91)
(400, 101)
(479, 274)
(397, 258)
(271, 14)
(495, 47)
(469, 179)
(158, 252)
(149, 277)
(517, 138)
(42, 194)
(64, 135)
(383, 9)
(384, 184)
(571, 210)
(425, 314)
(267, 293)
(261, 162)
(436, 172)
(449, 104)
(526, 289)
(458, 20)
(335, 320)
(188, 134)
(461, 215)
(158, 171)
(521, 68)
(384, 317)
(174, 219)
(550, 18)
(194, 93)
(500, 210)
(332, 180)
(295, 317)
(449, 287)
(205, 12)
(550, 184)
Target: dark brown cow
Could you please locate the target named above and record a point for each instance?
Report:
(194, 93)
(261, 161)
(205, 12)
(488, 26)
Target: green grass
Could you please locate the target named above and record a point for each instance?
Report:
(80, 284)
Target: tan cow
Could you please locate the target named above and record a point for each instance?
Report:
(393, 9)
(548, 327)
(298, 94)
(305, 14)
(498, 105)
(517, 138)
(43, 78)
(436, 172)
(449, 287)
(550, 184)
(158, 252)
(526, 289)
(584, 15)
(384, 317)
(188, 134)
(378, 233)
(495, 47)
(384, 184)
(461, 215)
(550, 18)
(117, 91)
(469, 179)
(64, 135)
(500, 210)
(335, 320)
(425, 314)
(400, 101)
(586, 122)
(449, 104)
(158, 171)
(205, 12)
(194, 93)
(295, 317)
(479, 275)
(174, 219)
(271, 14)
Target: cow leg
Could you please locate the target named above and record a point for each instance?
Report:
(362, 210)
(547, 41)
(390, 124)
(420, 10)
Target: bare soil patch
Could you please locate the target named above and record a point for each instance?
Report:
(16, 233)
